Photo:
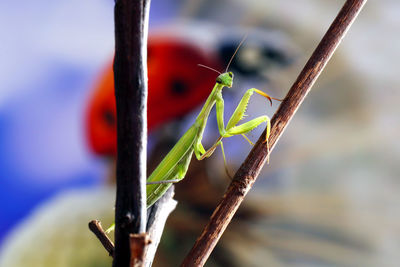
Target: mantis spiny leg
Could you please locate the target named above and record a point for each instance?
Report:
(232, 128)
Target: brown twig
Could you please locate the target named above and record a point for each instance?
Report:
(95, 227)
(251, 167)
(130, 77)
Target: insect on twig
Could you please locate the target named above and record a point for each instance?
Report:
(174, 166)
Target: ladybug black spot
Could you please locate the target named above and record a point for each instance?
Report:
(276, 56)
(179, 87)
(109, 118)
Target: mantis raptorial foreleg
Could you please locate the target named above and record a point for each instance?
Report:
(233, 129)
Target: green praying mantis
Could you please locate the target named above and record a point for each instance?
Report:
(175, 164)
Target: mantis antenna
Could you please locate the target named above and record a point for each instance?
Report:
(237, 49)
(207, 67)
(230, 60)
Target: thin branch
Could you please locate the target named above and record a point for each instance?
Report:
(130, 76)
(251, 167)
(95, 227)
(158, 214)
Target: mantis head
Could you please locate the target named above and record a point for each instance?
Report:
(225, 79)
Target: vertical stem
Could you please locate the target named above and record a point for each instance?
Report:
(130, 75)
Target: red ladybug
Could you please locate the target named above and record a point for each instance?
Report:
(176, 86)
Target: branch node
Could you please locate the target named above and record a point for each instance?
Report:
(138, 244)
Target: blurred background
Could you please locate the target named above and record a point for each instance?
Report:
(329, 196)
